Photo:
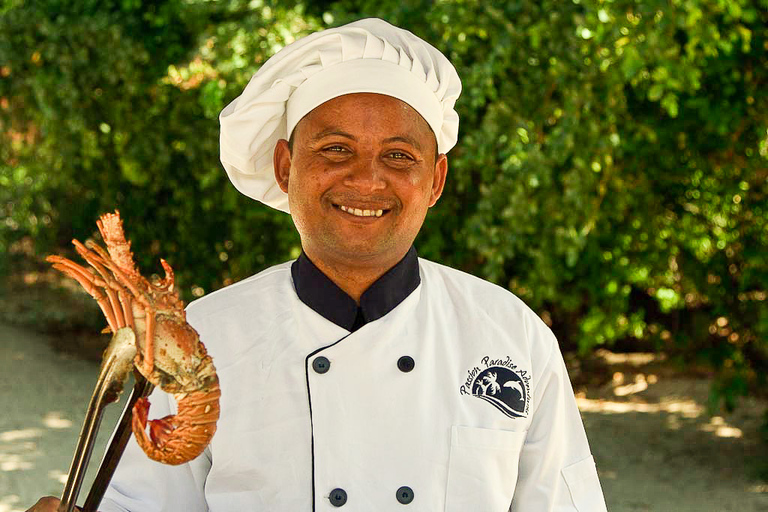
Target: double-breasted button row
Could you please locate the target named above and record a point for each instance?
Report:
(338, 496)
(321, 364)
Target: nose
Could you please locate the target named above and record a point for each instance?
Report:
(366, 176)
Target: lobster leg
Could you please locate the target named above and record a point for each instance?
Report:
(101, 259)
(127, 304)
(90, 285)
(149, 347)
(111, 286)
(119, 302)
(119, 274)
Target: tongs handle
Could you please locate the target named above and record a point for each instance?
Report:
(122, 434)
(117, 363)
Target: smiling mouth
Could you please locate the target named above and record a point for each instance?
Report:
(357, 212)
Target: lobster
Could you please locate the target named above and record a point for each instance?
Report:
(169, 354)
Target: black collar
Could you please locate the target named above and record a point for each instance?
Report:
(322, 295)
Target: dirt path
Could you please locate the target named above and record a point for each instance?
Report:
(43, 395)
(657, 449)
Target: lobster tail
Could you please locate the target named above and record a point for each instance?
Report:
(178, 438)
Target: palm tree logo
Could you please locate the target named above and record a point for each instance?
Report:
(502, 388)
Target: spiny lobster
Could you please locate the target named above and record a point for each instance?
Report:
(170, 354)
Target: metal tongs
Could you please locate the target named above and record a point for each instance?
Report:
(117, 363)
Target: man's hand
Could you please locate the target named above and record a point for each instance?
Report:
(47, 504)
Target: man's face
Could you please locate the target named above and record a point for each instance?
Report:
(360, 178)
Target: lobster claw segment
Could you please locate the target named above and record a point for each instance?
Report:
(169, 353)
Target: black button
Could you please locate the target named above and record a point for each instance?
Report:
(321, 364)
(405, 495)
(338, 497)
(405, 364)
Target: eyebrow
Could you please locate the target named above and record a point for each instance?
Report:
(341, 133)
(404, 138)
(333, 131)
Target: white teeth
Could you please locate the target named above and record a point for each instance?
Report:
(362, 213)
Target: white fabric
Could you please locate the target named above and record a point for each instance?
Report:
(364, 75)
(365, 56)
(374, 427)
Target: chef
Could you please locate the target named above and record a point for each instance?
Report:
(361, 377)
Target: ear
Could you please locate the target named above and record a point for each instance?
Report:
(281, 161)
(438, 181)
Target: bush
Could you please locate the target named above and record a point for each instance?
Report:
(611, 167)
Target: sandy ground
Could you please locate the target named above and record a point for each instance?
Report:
(44, 395)
(658, 450)
(656, 447)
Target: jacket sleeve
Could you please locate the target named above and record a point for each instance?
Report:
(556, 471)
(143, 485)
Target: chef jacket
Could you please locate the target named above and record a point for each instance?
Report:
(440, 392)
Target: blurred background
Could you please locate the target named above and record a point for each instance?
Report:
(611, 171)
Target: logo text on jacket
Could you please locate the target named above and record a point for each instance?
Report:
(501, 383)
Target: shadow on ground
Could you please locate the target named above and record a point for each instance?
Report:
(659, 450)
(43, 396)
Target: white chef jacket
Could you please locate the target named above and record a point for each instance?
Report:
(456, 393)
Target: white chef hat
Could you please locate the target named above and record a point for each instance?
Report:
(369, 55)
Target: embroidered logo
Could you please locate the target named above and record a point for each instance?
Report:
(501, 383)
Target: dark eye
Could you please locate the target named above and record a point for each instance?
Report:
(399, 155)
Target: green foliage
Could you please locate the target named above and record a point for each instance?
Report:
(115, 105)
(611, 167)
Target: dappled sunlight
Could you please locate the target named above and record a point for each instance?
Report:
(640, 384)
(720, 428)
(12, 436)
(58, 475)
(43, 416)
(35, 461)
(56, 420)
(676, 408)
(635, 359)
(633, 391)
(10, 503)
(685, 408)
(14, 462)
(17, 448)
(657, 445)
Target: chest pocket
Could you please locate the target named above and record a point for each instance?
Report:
(482, 470)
